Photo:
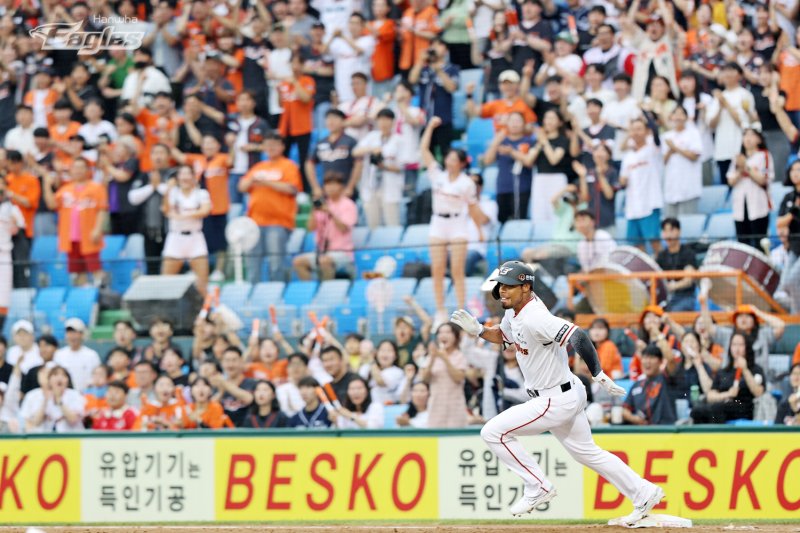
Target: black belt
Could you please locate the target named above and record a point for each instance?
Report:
(188, 232)
(448, 215)
(564, 388)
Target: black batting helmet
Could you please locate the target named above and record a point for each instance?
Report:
(512, 273)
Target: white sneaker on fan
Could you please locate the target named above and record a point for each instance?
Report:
(526, 504)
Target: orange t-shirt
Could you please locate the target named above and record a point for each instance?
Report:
(383, 57)
(28, 186)
(91, 199)
(789, 67)
(215, 172)
(235, 77)
(610, 359)
(269, 207)
(413, 45)
(173, 413)
(297, 117)
(59, 134)
(260, 371)
(214, 417)
(155, 127)
(498, 111)
(796, 358)
(45, 98)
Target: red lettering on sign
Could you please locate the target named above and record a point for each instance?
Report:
(407, 506)
(244, 480)
(599, 502)
(274, 481)
(7, 482)
(46, 505)
(701, 480)
(648, 473)
(360, 482)
(742, 479)
(322, 482)
(782, 499)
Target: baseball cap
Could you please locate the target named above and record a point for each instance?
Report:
(655, 309)
(744, 309)
(655, 18)
(566, 37)
(512, 273)
(22, 325)
(404, 319)
(75, 324)
(509, 75)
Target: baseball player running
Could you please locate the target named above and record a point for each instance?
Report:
(557, 397)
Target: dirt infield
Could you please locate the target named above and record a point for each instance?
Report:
(521, 528)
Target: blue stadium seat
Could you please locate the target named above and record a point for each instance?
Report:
(416, 235)
(349, 319)
(625, 383)
(134, 247)
(721, 226)
(459, 114)
(112, 248)
(50, 301)
(516, 232)
(626, 365)
(390, 414)
(300, 292)
(310, 242)
(360, 236)
(81, 303)
(44, 248)
(399, 289)
(385, 237)
(22, 301)
(48, 261)
(382, 324)
(263, 295)
(358, 293)
(295, 243)
(424, 293)
(332, 292)
(542, 232)
(490, 181)
(235, 295)
(621, 230)
(480, 133)
(714, 199)
(692, 226)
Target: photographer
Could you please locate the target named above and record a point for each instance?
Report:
(381, 188)
(789, 217)
(437, 79)
(333, 219)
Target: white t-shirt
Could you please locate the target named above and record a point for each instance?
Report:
(347, 62)
(365, 106)
(618, 114)
(184, 204)
(643, 169)
(10, 217)
(241, 159)
(410, 135)
(21, 140)
(683, 178)
(53, 414)
(747, 191)
(32, 357)
(155, 81)
(335, 14)
(92, 132)
(384, 182)
(393, 377)
(728, 135)
(280, 67)
(289, 398)
(490, 209)
(571, 63)
(595, 252)
(451, 197)
(541, 340)
(373, 416)
(80, 364)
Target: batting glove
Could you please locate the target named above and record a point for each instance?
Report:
(467, 322)
(608, 384)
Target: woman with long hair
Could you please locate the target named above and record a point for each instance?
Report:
(693, 371)
(735, 387)
(266, 410)
(661, 101)
(445, 372)
(553, 163)
(789, 221)
(454, 197)
(749, 177)
(55, 407)
(789, 409)
(263, 360)
(383, 373)
(607, 351)
(204, 412)
(358, 411)
(416, 415)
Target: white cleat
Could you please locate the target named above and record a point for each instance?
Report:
(526, 504)
(643, 510)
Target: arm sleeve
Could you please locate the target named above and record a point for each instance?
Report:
(584, 347)
(140, 195)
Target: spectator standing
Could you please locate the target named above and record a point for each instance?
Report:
(749, 178)
(789, 222)
(266, 411)
(297, 101)
(77, 358)
(186, 205)
(94, 129)
(437, 79)
(237, 390)
(728, 115)
(352, 52)
(209, 83)
(118, 166)
(596, 132)
(333, 222)
(444, 372)
(359, 410)
(676, 256)
(24, 191)
(82, 209)
(313, 413)
(319, 64)
(499, 110)
(58, 407)
(454, 197)
(160, 125)
(456, 25)
(419, 27)
(532, 37)
(148, 190)
(384, 31)
(619, 113)
(273, 186)
(144, 81)
(510, 149)
(11, 223)
(382, 181)
(248, 130)
(608, 53)
(361, 110)
(335, 154)
(596, 245)
(62, 130)
(162, 38)
(20, 137)
(683, 165)
(299, 22)
(597, 186)
(641, 177)
(766, 89)
(649, 401)
(553, 163)
(117, 415)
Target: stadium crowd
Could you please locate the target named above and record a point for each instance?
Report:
(355, 108)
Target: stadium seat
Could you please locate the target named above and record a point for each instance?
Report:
(129, 264)
(235, 295)
(263, 295)
(134, 247)
(358, 292)
(543, 232)
(620, 230)
(516, 232)
(490, 181)
(778, 364)
(349, 319)
(332, 292)
(416, 235)
(459, 114)
(473, 290)
(22, 301)
(309, 242)
(392, 293)
(81, 302)
(384, 237)
(721, 227)
(49, 262)
(424, 293)
(295, 243)
(300, 292)
(360, 236)
(112, 248)
(50, 301)
(777, 191)
(619, 204)
(480, 133)
(714, 199)
(789, 341)
(692, 226)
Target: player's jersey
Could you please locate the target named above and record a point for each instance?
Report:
(541, 341)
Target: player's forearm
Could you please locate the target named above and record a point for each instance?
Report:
(492, 334)
(584, 348)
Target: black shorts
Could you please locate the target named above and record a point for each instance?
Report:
(214, 232)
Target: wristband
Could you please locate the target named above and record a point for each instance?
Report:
(483, 328)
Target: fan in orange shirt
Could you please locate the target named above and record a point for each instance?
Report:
(159, 126)
(419, 27)
(607, 351)
(499, 110)
(24, 191)
(263, 354)
(297, 99)
(62, 130)
(204, 412)
(42, 98)
(167, 412)
(383, 29)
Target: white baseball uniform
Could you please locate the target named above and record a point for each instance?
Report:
(541, 339)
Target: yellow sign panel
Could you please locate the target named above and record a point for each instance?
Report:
(705, 475)
(326, 478)
(40, 481)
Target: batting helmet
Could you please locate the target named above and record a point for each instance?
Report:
(512, 273)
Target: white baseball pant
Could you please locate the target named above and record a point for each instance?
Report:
(562, 414)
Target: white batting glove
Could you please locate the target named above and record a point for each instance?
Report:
(608, 384)
(467, 322)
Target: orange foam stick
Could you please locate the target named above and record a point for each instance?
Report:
(738, 376)
(332, 395)
(206, 306)
(323, 399)
(255, 328)
(216, 296)
(273, 315)
(631, 335)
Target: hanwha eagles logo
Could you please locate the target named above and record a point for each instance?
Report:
(521, 277)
